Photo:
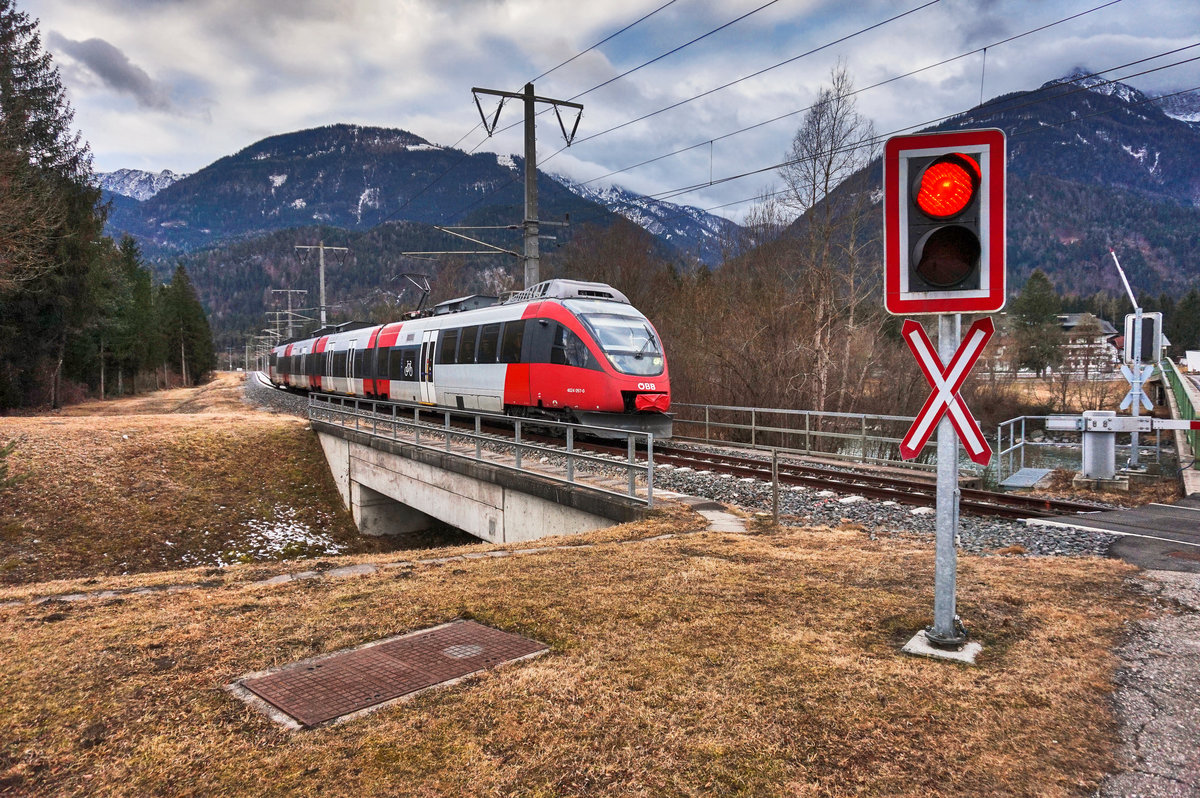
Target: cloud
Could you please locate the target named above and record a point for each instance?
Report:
(115, 70)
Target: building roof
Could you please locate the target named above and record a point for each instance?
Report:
(1070, 321)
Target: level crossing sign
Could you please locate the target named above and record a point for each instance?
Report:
(1136, 381)
(946, 380)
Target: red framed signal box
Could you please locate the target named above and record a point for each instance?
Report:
(944, 257)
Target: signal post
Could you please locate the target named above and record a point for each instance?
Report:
(944, 250)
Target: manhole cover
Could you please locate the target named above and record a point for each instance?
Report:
(326, 688)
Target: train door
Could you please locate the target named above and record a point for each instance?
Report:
(428, 345)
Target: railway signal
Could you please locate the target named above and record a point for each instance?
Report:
(943, 202)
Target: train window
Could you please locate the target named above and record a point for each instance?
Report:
(394, 368)
(466, 344)
(409, 366)
(358, 363)
(568, 349)
(273, 360)
(489, 342)
(448, 346)
(627, 341)
(510, 344)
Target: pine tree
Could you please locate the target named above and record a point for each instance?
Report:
(185, 329)
(50, 224)
(1034, 316)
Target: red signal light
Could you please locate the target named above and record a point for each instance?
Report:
(947, 186)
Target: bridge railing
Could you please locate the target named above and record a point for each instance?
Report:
(854, 437)
(1187, 398)
(507, 442)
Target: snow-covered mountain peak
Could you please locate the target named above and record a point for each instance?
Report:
(137, 183)
(1081, 76)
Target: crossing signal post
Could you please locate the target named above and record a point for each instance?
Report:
(943, 222)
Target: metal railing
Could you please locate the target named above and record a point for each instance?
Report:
(1187, 397)
(854, 437)
(404, 422)
(1020, 433)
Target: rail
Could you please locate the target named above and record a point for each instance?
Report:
(854, 437)
(1187, 397)
(385, 419)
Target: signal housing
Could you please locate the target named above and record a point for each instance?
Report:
(944, 197)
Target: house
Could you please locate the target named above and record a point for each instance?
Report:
(1090, 348)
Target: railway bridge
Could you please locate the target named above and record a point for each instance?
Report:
(399, 472)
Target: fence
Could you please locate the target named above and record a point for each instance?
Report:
(505, 444)
(854, 437)
(1187, 397)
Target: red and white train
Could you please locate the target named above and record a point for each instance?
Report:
(563, 349)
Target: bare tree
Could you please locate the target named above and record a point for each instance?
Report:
(828, 184)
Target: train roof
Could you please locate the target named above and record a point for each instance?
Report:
(568, 289)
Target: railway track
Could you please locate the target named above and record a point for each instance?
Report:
(876, 486)
(883, 487)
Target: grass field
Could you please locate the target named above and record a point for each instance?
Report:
(705, 664)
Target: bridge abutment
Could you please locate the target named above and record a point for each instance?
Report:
(392, 487)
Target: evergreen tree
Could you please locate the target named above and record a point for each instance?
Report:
(1036, 329)
(50, 226)
(1183, 323)
(185, 329)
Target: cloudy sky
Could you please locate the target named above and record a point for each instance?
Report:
(177, 84)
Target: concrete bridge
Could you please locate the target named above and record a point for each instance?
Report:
(393, 485)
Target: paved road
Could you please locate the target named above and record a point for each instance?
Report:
(1157, 537)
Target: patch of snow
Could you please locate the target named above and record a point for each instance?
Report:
(299, 204)
(277, 180)
(421, 147)
(369, 198)
(506, 161)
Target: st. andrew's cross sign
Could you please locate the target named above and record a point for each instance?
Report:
(946, 382)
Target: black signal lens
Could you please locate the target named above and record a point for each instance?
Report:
(947, 256)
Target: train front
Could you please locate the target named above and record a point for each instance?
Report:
(638, 393)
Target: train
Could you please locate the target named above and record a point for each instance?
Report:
(564, 350)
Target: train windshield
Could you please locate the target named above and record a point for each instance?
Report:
(626, 338)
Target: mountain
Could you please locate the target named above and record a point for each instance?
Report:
(136, 183)
(1184, 107)
(354, 178)
(1092, 165)
(684, 227)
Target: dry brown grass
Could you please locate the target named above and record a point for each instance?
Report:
(710, 664)
(182, 477)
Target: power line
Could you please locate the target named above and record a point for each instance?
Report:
(469, 153)
(810, 107)
(711, 91)
(605, 40)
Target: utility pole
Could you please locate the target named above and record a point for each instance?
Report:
(530, 223)
(320, 248)
(289, 292)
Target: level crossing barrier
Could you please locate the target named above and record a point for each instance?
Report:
(515, 451)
